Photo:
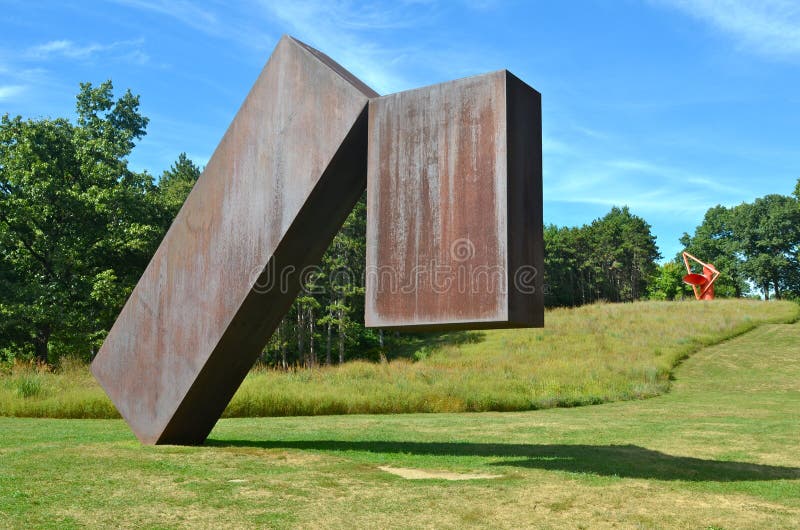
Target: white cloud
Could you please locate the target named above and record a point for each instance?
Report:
(349, 31)
(770, 27)
(63, 48)
(128, 49)
(229, 24)
(592, 133)
(596, 174)
(679, 176)
(181, 10)
(341, 30)
(8, 92)
(26, 74)
(482, 5)
(555, 147)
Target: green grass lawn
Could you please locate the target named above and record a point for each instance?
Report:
(587, 355)
(721, 450)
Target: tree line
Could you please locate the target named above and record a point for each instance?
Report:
(614, 259)
(78, 226)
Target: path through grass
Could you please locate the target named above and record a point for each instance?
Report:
(722, 450)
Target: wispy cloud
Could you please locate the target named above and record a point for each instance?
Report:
(483, 5)
(343, 30)
(552, 146)
(670, 197)
(65, 48)
(592, 133)
(351, 32)
(226, 23)
(585, 169)
(770, 27)
(128, 50)
(356, 34)
(27, 75)
(185, 12)
(9, 92)
(18, 83)
(681, 179)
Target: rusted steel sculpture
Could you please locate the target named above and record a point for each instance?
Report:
(702, 284)
(454, 176)
(283, 179)
(454, 206)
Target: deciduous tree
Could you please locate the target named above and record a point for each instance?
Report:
(767, 233)
(714, 242)
(77, 226)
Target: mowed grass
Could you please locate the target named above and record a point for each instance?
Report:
(721, 450)
(588, 355)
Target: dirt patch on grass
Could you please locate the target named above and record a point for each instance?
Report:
(421, 474)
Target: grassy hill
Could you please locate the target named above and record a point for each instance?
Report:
(721, 450)
(588, 355)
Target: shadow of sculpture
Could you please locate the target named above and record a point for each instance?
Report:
(418, 345)
(628, 461)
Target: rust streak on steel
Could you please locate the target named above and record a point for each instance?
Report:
(279, 185)
(454, 206)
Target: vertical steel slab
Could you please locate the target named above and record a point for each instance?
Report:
(279, 185)
(454, 206)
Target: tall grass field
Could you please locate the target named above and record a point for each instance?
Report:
(587, 355)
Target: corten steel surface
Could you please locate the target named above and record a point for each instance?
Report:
(454, 206)
(279, 185)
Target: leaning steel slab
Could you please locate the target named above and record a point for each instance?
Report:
(454, 206)
(280, 184)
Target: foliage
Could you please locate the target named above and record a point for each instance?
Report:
(768, 236)
(612, 259)
(174, 186)
(667, 284)
(326, 322)
(76, 225)
(754, 242)
(713, 242)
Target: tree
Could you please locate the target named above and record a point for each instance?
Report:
(715, 241)
(613, 258)
(330, 310)
(175, 184)
(767, 234)
(754, 242)
(668, 284)
(344, 265)
(565, 273)
(77, 227)
(625, 254)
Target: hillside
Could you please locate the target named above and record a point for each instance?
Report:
(586, 355)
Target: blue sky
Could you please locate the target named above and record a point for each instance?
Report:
(667, 106)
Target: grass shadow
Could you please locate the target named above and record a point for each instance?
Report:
(418, 345)
(628, 461)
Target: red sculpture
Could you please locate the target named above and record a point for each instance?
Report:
(702, 284)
